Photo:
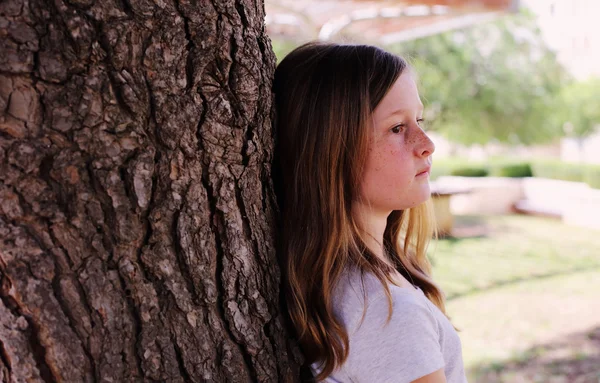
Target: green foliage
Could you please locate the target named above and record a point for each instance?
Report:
(494, 80)
(470, 172)
(513, 170)
(444, 167)
(558, 170)
(282, 47)
(592, 176)
(580, 107)
(588, 173)
(504, 167)
(456, 167)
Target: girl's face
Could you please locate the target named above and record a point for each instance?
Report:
(396, 175)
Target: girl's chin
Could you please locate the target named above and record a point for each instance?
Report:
(413, 202)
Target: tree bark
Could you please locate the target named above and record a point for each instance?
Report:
(136, 206)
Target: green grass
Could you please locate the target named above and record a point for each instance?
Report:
(520, 293)
(512, 249)
(507, 323)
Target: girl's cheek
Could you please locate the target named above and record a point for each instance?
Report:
(397, 151)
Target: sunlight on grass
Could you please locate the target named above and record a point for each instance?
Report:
(510, 325)
(514, 248)
(506, 321)
(526, 282)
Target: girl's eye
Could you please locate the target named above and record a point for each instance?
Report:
(398, 128)
(423, 124)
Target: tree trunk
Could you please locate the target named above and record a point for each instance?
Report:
(136, 207)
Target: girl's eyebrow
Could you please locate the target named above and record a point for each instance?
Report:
(403, 111)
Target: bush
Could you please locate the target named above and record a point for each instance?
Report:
(589, 174)
(445, 166)
(503, 167)
(470, 172)
(558, 171)
(514, 170)
(439, 169)
(592, 176)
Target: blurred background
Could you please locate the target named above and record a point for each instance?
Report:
(512, 96)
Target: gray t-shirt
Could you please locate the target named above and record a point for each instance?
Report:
(417, 341)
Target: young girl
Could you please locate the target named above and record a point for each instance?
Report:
(351, 173)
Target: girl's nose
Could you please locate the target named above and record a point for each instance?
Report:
(425, 146)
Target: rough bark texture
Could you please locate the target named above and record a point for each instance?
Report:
(136, 212)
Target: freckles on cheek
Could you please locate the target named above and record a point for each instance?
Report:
(378, 162)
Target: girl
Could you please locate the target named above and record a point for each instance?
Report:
(352, 180)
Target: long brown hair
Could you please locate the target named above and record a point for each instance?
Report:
(325, 95)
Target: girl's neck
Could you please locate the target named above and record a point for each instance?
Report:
(372, 225)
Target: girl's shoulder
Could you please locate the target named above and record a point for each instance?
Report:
(362, 287)
(357, 291)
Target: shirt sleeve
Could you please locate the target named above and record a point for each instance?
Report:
(405, 349)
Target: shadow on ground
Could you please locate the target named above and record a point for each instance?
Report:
(571, 359)
(519, 279)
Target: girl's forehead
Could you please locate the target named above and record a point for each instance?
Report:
(402, 98)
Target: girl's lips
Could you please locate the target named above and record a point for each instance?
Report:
(424, 172)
